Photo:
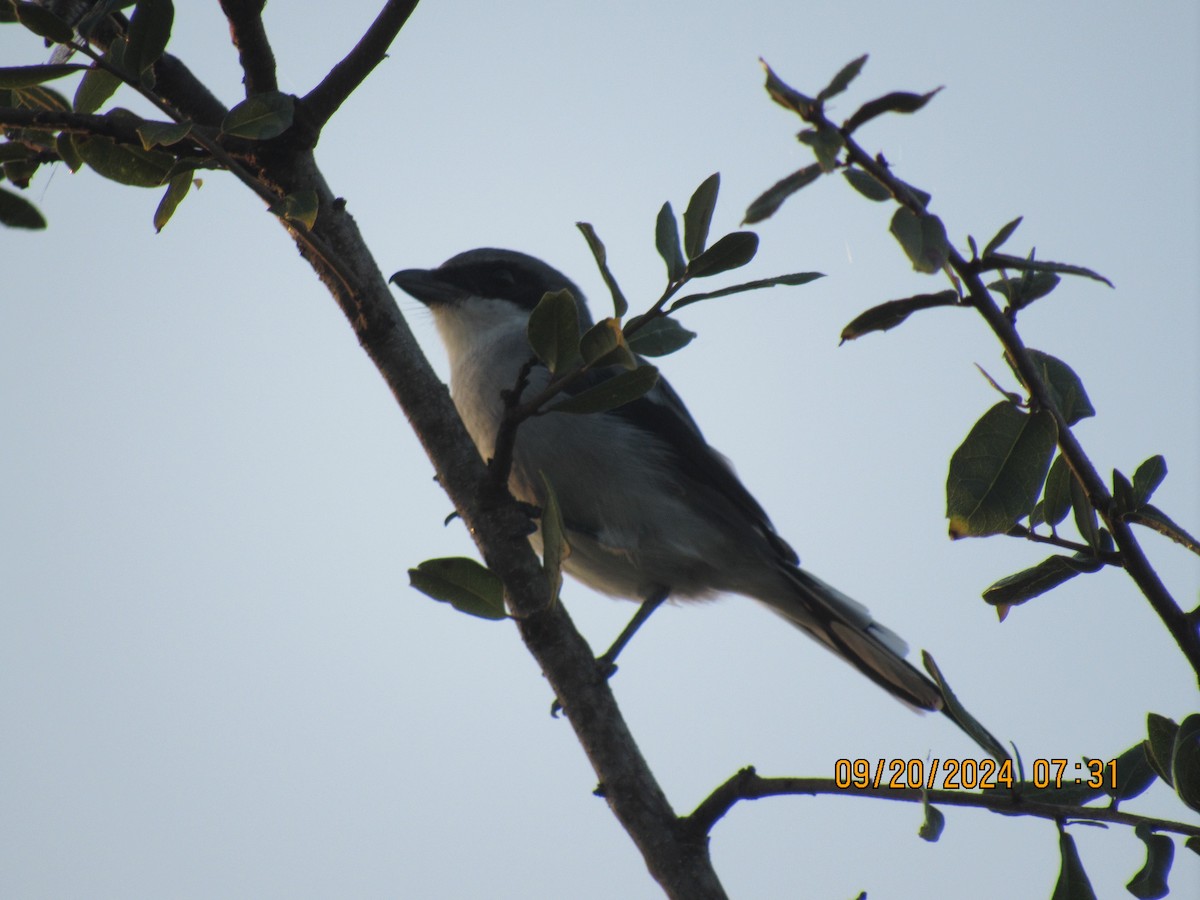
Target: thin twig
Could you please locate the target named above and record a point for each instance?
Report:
(1108, 558)
(323, 101)
(749, 785)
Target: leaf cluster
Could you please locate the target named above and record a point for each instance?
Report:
(117, 144)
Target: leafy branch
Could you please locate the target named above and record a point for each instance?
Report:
(1056, 396)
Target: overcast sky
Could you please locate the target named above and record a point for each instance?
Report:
(214, 678)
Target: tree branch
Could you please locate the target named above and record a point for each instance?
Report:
(122, 130)
(1185, 633)
(747, 784)
(323, 101)
(254, 50)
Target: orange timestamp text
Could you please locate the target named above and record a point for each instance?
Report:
(969, 774)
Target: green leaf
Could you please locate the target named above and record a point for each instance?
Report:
(154, 134)
(604, 345)
(785, 96)
(44, 23)
(923, 197)
(1072, 882)
(123, 163)
(19, 172)
(260, 117)
(767, 203)
(17, 212)
(660, 336)
(935, 822)
(620, 305)
(698, 215)
(25, 76)
(794, 280)
(149, 32)
(1122, 491)
(890, 314)
(95, 89)
(1023, 290)
(826, 144)
(1003, 260)
(1070, 397)
(65, 148)
(923, 238)
(555, 548)
(616, 391)
(1134, 774)
(1022, 586)
(1185, 761)
(1150, 516)
(997, 473)
(867, 185)
(1085, 515)
(1147, 478)
(843, 78)
(553, 331)
(1001, 236)
(1160, 742)
(666, 239)
(731, 252)
(300, 208)
(1056, 500)
(38, 97)
(898, 102)
(177, 189)
(463, 583)
(1150, 882)
(967, 722)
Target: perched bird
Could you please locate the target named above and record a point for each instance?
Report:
(650, 509)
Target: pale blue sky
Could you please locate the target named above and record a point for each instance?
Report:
(214, 678)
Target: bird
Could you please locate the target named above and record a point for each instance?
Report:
(650, 509)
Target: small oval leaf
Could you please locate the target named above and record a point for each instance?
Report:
(698, 215)
(17, 212)
(149, 32)
(997, 473)
(260, 117)
(553, 331)
(661, 336)
(611, 393)
(26, 76)
(923, 238)
(730, 252)
(898, 102)
(620, 305)
(666, 239)
(462, 582)
(1037, 580)
(1148, 477)
(890, 314)
(843, 78)
(767, 203)
(44, 23)
(867, 185)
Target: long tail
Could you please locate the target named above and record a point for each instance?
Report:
(845, 626)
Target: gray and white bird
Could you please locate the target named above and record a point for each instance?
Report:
(650, 509)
